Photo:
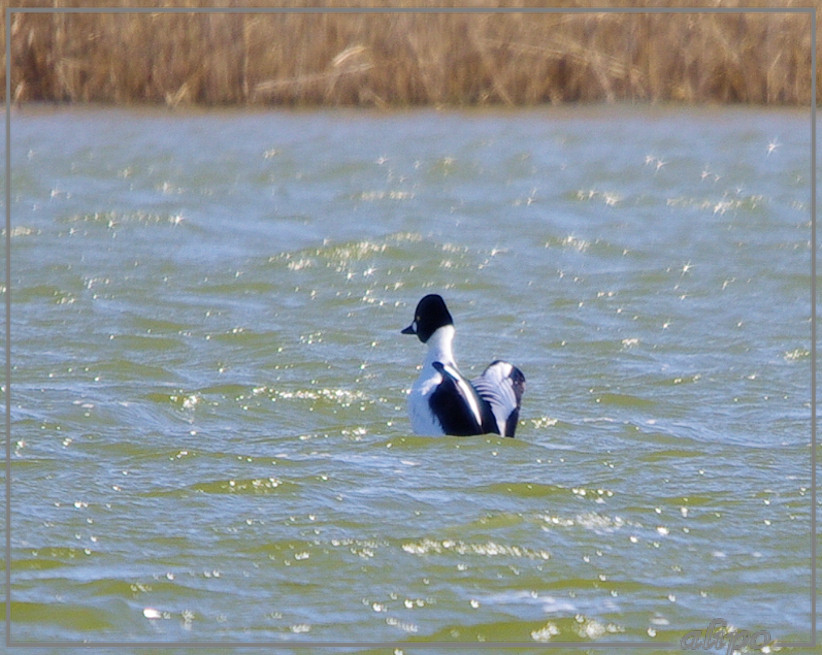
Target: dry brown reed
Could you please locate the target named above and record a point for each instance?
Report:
(396, 59)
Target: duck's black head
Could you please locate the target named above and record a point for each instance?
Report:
(430, 315)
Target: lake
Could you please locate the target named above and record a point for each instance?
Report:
(209, 435)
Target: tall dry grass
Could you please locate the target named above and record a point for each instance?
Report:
(409, 58)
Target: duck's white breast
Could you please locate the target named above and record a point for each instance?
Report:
(423, 421)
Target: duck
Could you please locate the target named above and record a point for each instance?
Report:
(443, 401)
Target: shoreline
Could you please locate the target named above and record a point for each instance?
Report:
(567, 110)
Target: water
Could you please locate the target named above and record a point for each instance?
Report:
(209, 439)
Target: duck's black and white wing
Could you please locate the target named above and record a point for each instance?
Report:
(456, 404)
(501, 385)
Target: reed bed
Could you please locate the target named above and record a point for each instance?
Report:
(401, 59)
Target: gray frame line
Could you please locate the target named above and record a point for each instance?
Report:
(813, 329)
(411, 10)
(7, 293)
(285, 644)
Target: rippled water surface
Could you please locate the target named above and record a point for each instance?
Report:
(209, 438)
